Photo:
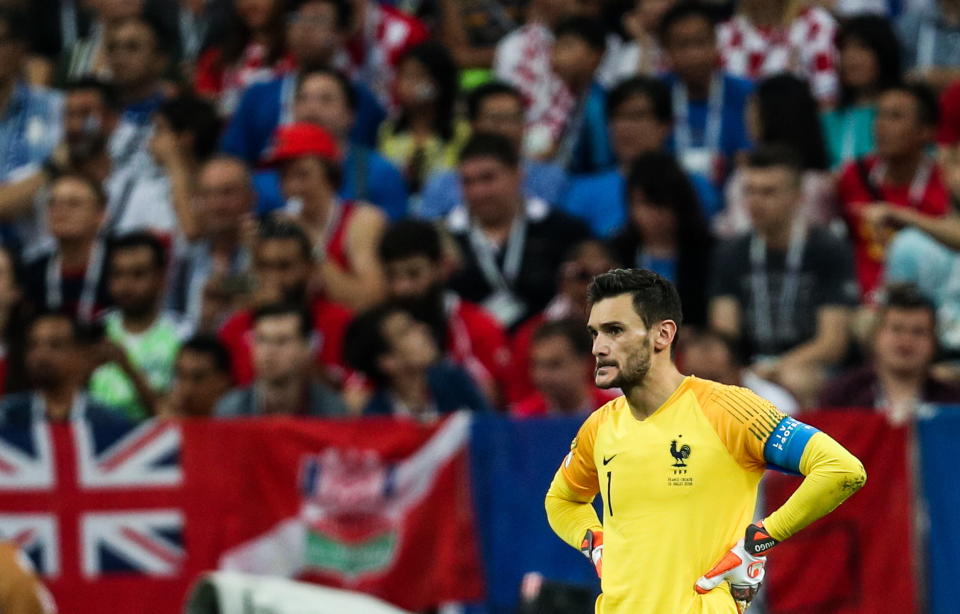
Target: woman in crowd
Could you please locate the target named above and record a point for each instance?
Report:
(666, 231)
(870, 60)
(782, 111)
(424, 135)
(254, 51)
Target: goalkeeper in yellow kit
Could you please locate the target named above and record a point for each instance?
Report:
(677, 461)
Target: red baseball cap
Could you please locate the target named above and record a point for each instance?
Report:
(300, 140)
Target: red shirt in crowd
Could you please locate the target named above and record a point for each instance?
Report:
(535, 405)
(330, 321)
(477, 342)
(948, 132)
(926, 194)
(522, 384)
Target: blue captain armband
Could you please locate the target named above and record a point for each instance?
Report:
(784, 447)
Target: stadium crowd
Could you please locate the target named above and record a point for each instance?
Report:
(344, 207)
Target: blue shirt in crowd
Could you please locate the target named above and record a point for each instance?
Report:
(591, 151)
(601, 200)
(263, 105)
(443, 191)
(367, 176)
(451, 389)
(30, 128)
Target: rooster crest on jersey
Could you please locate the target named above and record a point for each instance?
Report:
(679, 454)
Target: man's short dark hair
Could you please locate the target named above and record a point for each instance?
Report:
(209, 346)
(928, 107)
(107, 92)
(99, 194)
(342, 8)
(655, 298)
(364, 342)
(490, 145)
(16, 21)
(346, 87)
(570, 329)
(774, 155)
(906, 297)
(410, 238)
(588, 29)
(140, 239)
(478, 95)
(684, 10)
(196, 116)
(273, 229)
(279, 310)
(655, 91)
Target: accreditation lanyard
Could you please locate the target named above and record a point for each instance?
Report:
(763, 313)
(91, 279)
(501, 280)
(682, 134)
(918, 185)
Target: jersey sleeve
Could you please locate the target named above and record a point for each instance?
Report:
(578, 467)
(756, 433)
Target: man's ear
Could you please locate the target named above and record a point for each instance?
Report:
(666, 332)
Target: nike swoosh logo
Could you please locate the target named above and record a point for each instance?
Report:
(607, 460)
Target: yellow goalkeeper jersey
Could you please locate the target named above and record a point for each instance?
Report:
(678, 490)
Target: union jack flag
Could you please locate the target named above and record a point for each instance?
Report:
(94, 501)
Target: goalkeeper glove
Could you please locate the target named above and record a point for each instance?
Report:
(592, 548)
(742, 566)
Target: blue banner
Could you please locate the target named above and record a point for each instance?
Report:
(938, 441)
(513, 462)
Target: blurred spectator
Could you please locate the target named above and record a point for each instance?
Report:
(344, 234)
(316, 33)
(585, 261)
(639, 118)
(666, 232)
(202, 24)
(470, 29)
(401, 358)
(494, 107)
(523, 59)
(56, 369)
(141, 339)
(708, 104)
(899, 174)
(776, 98)
(512, 245)
(91, 110)
(917, 258)
(160, 197)
(283, 381)
(88, 56)
(54, 26)
(69, 276)
(416, 267)
(715, 356)
(767, 37)
(326, 98)
(201, 376)
(579, 46)
(869, 63)
(425, 134)
(380, 36)
(252, 51)
(898, 380)
(641, 55)
(283, 266)
(784, 289)
(31, 125)
(21, 591)
(561, 367)
(217, 258)
(14, 312)
(931, 42)
(138, 55)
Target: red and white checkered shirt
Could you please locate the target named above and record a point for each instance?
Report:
(806, 48)
(523, 60)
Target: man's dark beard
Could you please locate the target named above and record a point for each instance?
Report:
(632, 373)
(429, 309)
